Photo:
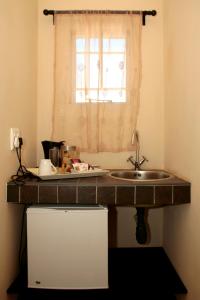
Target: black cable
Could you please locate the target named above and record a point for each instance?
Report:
(22, 173)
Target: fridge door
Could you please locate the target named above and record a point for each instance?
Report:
(67, 247)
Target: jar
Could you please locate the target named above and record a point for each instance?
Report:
(72, 152)
(69, 153)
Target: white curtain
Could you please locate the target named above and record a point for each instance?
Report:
(97, 80)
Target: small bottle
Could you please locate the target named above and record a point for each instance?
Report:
(66, 162)
(70, 154)
(73, 152)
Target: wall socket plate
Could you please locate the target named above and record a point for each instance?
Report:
(14, 138)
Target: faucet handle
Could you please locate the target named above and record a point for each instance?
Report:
(131, 159)
(143, 160)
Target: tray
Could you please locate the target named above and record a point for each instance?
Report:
(89, 173)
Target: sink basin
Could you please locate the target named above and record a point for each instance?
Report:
(142, 175)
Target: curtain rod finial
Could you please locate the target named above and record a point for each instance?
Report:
(154, 12)
(45, 12)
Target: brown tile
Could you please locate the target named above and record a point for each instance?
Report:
(125, 195)
(163, 195)
(87, 181)
(87, 194)
(144, 195)
(106, 195)
(48, 194)
(12, 193)
(29, 194)
(68, 181)
(67, 194)
(181, 194)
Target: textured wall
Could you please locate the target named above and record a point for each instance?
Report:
(18, 109)
(182, 135)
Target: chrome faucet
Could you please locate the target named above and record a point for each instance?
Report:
(137, 162)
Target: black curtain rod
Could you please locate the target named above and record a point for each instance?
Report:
(144, 13)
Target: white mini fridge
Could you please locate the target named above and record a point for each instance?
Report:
(67, 247)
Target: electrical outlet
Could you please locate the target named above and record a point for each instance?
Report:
(14, 138)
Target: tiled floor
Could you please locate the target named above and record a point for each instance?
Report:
(93, 296)
(134, 273)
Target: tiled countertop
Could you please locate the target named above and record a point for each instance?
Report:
(101, 190)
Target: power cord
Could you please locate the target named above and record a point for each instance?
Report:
(22, 173)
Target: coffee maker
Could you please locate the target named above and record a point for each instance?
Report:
(47, 145)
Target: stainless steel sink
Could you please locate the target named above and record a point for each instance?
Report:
(142, 175)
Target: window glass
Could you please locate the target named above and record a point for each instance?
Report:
(100, 70)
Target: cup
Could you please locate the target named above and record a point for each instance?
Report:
(46, 167)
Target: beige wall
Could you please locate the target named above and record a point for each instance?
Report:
(182, 115)
(150, 123)
(17, 109)
(182, 135)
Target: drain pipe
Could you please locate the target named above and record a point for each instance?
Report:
(141, 226)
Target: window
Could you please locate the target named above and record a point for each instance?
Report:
(100, 70)
(97, 76)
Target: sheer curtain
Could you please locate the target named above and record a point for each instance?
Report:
(97, 80)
